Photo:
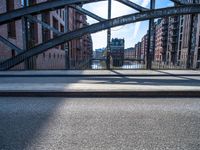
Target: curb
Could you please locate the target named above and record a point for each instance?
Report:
(100, 75)
(164, 94)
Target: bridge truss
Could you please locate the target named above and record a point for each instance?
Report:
(182, 7)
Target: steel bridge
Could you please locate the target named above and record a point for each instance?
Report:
(181, 8)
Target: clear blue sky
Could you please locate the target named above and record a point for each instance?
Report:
(132, 33)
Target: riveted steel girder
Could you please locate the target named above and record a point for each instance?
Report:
(146, 15)
(149, 52)
(132, 5)
(45, 25)
(180, 2)
(10, 45)
(86, 12)
(52, 5)
(38, 8)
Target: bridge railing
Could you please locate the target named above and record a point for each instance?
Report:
(28, 59)
(59, 63)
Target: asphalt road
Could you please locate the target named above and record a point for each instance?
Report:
(99, 124)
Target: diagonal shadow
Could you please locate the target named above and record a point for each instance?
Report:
(20, 126)
(22, 120)
(176, 75)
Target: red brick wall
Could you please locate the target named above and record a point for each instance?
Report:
(79, 49)
(5, 51)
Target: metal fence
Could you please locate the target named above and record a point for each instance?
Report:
(119, 64)
(56, 62)
(100, 64)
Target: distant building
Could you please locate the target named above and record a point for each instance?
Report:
(173, 36)
(196, 43)
(80, 49)
(161, 37)
(99, 53)
(184, 38)
(138, 50)
(117, 51)
(129, 53)
(144, 46)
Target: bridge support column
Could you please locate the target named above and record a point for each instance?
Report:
(25, 36)
(190, 46)
(150, 50)
(66, 18)
(108, 37)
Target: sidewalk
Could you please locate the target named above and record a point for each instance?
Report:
(104, 83)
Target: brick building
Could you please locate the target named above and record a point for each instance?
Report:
(117, 52)
(11, 31)
(183, 46)
(54, 58)
(173, 36)
(80, 50)
(138, 50)
(161, 37)
(196, 48)
(144, 46)
(129, 53)
(99, 53)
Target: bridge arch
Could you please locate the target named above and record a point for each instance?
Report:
(126, 19)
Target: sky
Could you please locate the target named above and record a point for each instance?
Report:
(132, 33)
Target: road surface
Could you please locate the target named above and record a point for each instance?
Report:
(99, 123)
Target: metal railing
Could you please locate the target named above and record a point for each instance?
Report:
(126, 64)
(57, 62)
(178, 65)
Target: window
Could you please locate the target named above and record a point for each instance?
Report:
(10, 5)
(13, 53)
(181, 36)
(11, 29)
(60, 13)
(33, 32)
(181, 29)
(199, 41)
(179, 55)
(63, 14)
(45, 32)
(62, 30)
(198, 55)
(22, 2)
(180, 44)
(11, 25)
(181, 21)
(55, 25)
(32, 2)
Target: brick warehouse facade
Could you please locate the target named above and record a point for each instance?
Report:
(54, 58)
(80, 50)
(11, 31)
(161, 39)
(183, 48)
(144, 45)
